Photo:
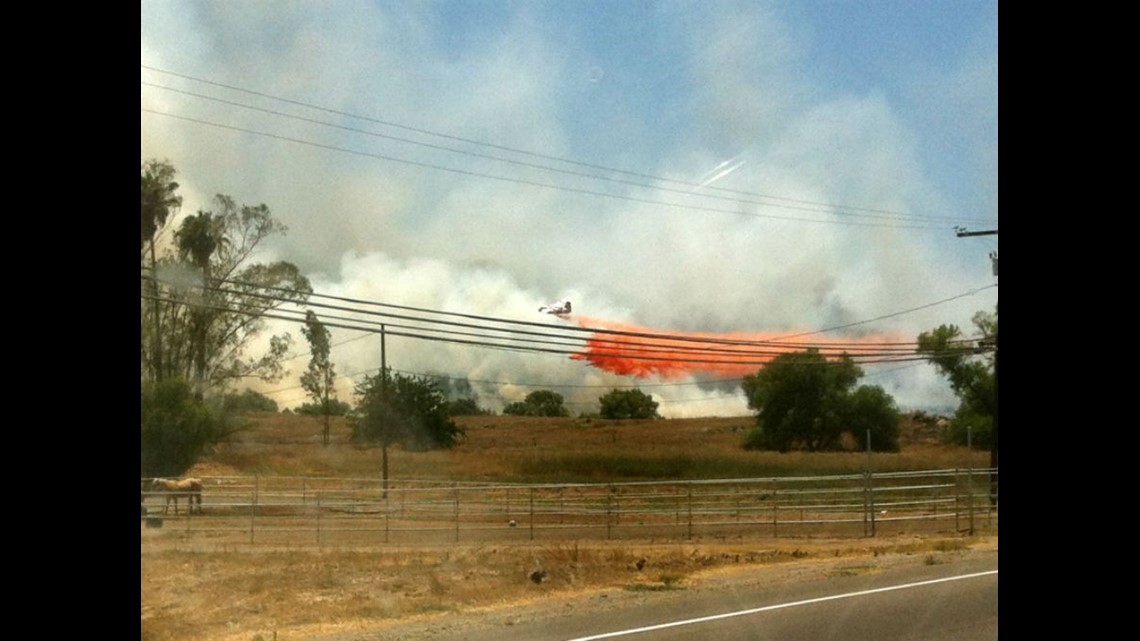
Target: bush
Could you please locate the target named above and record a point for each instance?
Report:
(538, 403)
(466, 407)
(337, 407)
(176, 428)
(402, 409)
(972, 427)
(805, 401)
(628, 404)
(248, 401)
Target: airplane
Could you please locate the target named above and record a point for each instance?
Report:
(558, 309)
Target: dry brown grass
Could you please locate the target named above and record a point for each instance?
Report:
(201, 592)
(499, 448)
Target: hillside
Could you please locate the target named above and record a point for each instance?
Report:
(558, 449)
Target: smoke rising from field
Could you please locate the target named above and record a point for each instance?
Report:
(690, 373)
(708, 167)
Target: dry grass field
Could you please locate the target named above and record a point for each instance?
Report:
(195, 592)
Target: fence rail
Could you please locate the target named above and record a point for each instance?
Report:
(346, 511)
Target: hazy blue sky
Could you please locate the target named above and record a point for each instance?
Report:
(859, 133)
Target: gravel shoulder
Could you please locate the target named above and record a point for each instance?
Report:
(558, 609)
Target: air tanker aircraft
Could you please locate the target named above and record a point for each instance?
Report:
(558, 309)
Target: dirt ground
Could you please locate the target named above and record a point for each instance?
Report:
(292, 595)
(198, 590)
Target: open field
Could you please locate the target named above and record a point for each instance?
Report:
(523, 449)
(203, 591)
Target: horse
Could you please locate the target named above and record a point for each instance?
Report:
(190, 488)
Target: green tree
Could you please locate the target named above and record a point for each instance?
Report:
(538, 403)
(198, 239)
(970, 366)
(805, 401)
(406, 410)
(466, 407)
(871, 411)
(176, 427)
(248, 401)
(320, 379)
(336, 407)
(160, 202)
(628, 404)
(210, 298)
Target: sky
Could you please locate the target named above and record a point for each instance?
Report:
(719, 167)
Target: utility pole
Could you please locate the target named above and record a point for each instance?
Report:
(384, 396)
(963, 233)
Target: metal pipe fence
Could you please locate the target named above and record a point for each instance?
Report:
(275, 510)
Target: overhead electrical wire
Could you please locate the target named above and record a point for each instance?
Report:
(528, 153)
(540, 341)
(806, 206)
(533, 183)
(651, 346)
(566, 341)
(645, 345)
(775, 201)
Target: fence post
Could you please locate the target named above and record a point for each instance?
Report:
(617, 504)
(957, 500)
(776, 512)
(253, 509)
(690, 511)
(970, 479)
(455, 495)
(609, 510)
(318, 514)
(532, 514)
(868, 493)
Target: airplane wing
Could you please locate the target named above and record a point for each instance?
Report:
(558, 308)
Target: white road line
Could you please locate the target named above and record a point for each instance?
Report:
(738, 613)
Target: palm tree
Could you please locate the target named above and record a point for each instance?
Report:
(159, 201)
(198, 238)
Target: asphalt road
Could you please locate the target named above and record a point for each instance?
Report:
(908, 600)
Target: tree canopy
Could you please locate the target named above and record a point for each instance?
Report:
(804, 401)
(970, 366)
(628, 404)
(538, 403)
(466, 406)
(205, 294)
(204, 301)
(248, 401)
(319, 380)
(406, 410)
(176, 427)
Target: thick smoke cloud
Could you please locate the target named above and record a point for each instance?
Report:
(738, 88)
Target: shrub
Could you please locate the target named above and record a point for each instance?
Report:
(248, 401)
(628, 404)
(176, 428)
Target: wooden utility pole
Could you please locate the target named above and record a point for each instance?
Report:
(962, 233)
(384, 396)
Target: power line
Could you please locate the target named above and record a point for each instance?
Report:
(488, 337)
(533, 183)
(792, 204)
(513, 150)
(567, 341)
(769, 200)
